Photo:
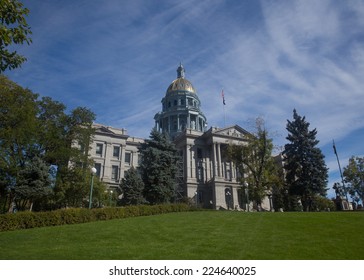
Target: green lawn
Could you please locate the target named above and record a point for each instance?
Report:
(196, 235)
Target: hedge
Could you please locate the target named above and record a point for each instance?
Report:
(25, 220)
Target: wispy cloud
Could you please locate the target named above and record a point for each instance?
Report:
(118, 58)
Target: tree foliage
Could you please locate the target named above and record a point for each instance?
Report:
(255, 163)
(32, 127)
(34, 183)
(132, 187)
(354, 176)
(306, 171)
(13, 30)
(18, 130)
(158, 168)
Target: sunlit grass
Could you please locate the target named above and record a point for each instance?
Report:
(196, 235)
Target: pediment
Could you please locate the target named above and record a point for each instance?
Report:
(108, 130)
(104, 129)
(232, 131)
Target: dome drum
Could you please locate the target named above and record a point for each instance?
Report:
(180, 108)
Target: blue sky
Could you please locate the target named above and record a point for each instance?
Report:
(117, 57)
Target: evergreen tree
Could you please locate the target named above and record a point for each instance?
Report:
(33, 184)
(306, 171)
(132, 187)
(158, 168)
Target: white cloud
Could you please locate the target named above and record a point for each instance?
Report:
(118, 58)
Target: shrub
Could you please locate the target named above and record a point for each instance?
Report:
(323, 204)
(25, 220)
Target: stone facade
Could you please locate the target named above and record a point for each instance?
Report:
(113, 152)
(209, 178)
(206, 176)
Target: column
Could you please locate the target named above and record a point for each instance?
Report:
(193, 164)
(188, 163)
(207, 166)
(178, 127)
(219, 159)
(214, 160)
(157, 125)
(232, 171)
(107, 162)
(122, 161)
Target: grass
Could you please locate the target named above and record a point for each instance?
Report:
(196, 235)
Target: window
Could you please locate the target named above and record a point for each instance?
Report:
(99, 148)
(128, 158)
(98, 169)
(175, 102)
(116, 152)
(200, 177)
(114, 172)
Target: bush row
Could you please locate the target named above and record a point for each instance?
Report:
(24, 220)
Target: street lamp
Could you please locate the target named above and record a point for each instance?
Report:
(110, 194)
(93, 172)
(247, 195)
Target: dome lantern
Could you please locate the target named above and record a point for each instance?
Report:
(180, 71)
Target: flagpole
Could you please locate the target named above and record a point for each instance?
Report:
(223, 106)
(341, 174)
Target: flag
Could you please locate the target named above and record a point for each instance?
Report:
(223, 97)
(333, 145)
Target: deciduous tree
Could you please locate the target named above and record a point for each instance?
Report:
(13, 30)
(18, 131)
(255, 163)
(30, 128)
(354, 176)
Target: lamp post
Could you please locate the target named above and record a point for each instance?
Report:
(93, 172)
(110, 194)
(247, 196)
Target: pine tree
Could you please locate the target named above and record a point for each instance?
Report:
(33, 184)
(306, 171)
(132, 187)
(158, 168)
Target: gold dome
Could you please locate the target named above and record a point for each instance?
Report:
(181, 84)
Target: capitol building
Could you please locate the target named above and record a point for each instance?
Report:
(205, 174)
